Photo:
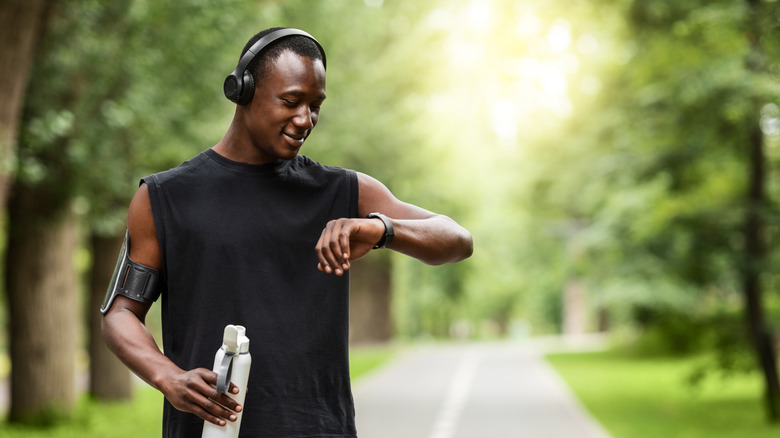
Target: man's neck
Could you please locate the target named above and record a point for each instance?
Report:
(236, 145)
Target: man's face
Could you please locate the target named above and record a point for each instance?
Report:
(285, 107)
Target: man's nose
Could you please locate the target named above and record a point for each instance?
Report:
(305, 118)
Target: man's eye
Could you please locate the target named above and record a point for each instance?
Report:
(290, 103)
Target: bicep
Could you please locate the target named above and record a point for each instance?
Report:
(376, 197)
(144, 247)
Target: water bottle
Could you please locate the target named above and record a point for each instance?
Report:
(231, 363)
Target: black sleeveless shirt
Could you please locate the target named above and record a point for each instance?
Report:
(237, 242)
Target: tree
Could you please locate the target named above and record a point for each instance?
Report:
(755, 228)
(42, 235)
(86, 137)
(109, 378)
(21, 24)
(371, 120)
(674, 190)
(41, 294)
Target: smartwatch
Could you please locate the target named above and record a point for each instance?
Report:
(387, 238)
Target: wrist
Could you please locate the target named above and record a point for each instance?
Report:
(163, 377)
(388, 235)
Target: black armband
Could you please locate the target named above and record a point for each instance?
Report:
(132, 280)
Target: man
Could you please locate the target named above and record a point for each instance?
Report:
(250, 232)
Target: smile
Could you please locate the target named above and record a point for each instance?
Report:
(295, 138)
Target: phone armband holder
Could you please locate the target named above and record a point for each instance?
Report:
(132, 280)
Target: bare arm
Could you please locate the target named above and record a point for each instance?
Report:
(431, 238)
(125, 333)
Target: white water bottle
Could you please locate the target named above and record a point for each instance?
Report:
(231, 363)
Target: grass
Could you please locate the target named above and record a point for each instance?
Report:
(362, 360)
(142, 416)
(635, 397)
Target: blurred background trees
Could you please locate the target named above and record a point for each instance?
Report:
(614, 160)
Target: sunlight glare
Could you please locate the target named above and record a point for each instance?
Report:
(559, 36)
(587, 44)
(464, 54)
(770, 120)
(590, 85)
(439, 19)
(553, 80)
(528, 25)
(504, 120)
(529, 68)
(479, 15)
(569, 63)
(561, 107)
(518, 83)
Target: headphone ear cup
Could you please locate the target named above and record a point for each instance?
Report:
(232, 88)
(247, 91)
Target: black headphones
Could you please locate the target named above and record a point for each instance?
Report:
(239, 86)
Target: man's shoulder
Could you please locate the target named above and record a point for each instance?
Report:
(182, 170)
(302, 162)
(312, 173)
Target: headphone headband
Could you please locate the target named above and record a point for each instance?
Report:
(239, 85)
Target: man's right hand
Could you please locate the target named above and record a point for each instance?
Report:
(196, 392)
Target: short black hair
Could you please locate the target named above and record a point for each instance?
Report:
(298, 44)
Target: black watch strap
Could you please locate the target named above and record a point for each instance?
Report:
(387, 238)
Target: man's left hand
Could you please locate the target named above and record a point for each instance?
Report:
(344, 240)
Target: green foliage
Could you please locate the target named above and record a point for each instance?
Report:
(142, 417)
(125, 94)
(591, 140)
(653, 173)
(364, 360)
(641, 397)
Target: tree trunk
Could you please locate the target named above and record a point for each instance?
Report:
(20, 26)
(42, 301)
(755, 258)
(370, 300)
(575, 311)
(755, 248)
(109, 378)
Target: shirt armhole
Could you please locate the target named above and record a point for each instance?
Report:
(354, 192)
(152, 185)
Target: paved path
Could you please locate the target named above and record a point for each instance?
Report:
(494, 390)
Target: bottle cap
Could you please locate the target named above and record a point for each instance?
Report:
(234, 340)
(242, 340)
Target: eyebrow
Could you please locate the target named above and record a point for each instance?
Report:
(301, 94)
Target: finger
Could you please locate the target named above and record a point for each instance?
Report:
(323, 249)
(193, 395)
(207, 409)
(215, 407)
(344, 240)
(339, 234)
(330, 248)
(223, 399)
(206, 416)
(236, 406)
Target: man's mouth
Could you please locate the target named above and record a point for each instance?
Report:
(295, 138)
